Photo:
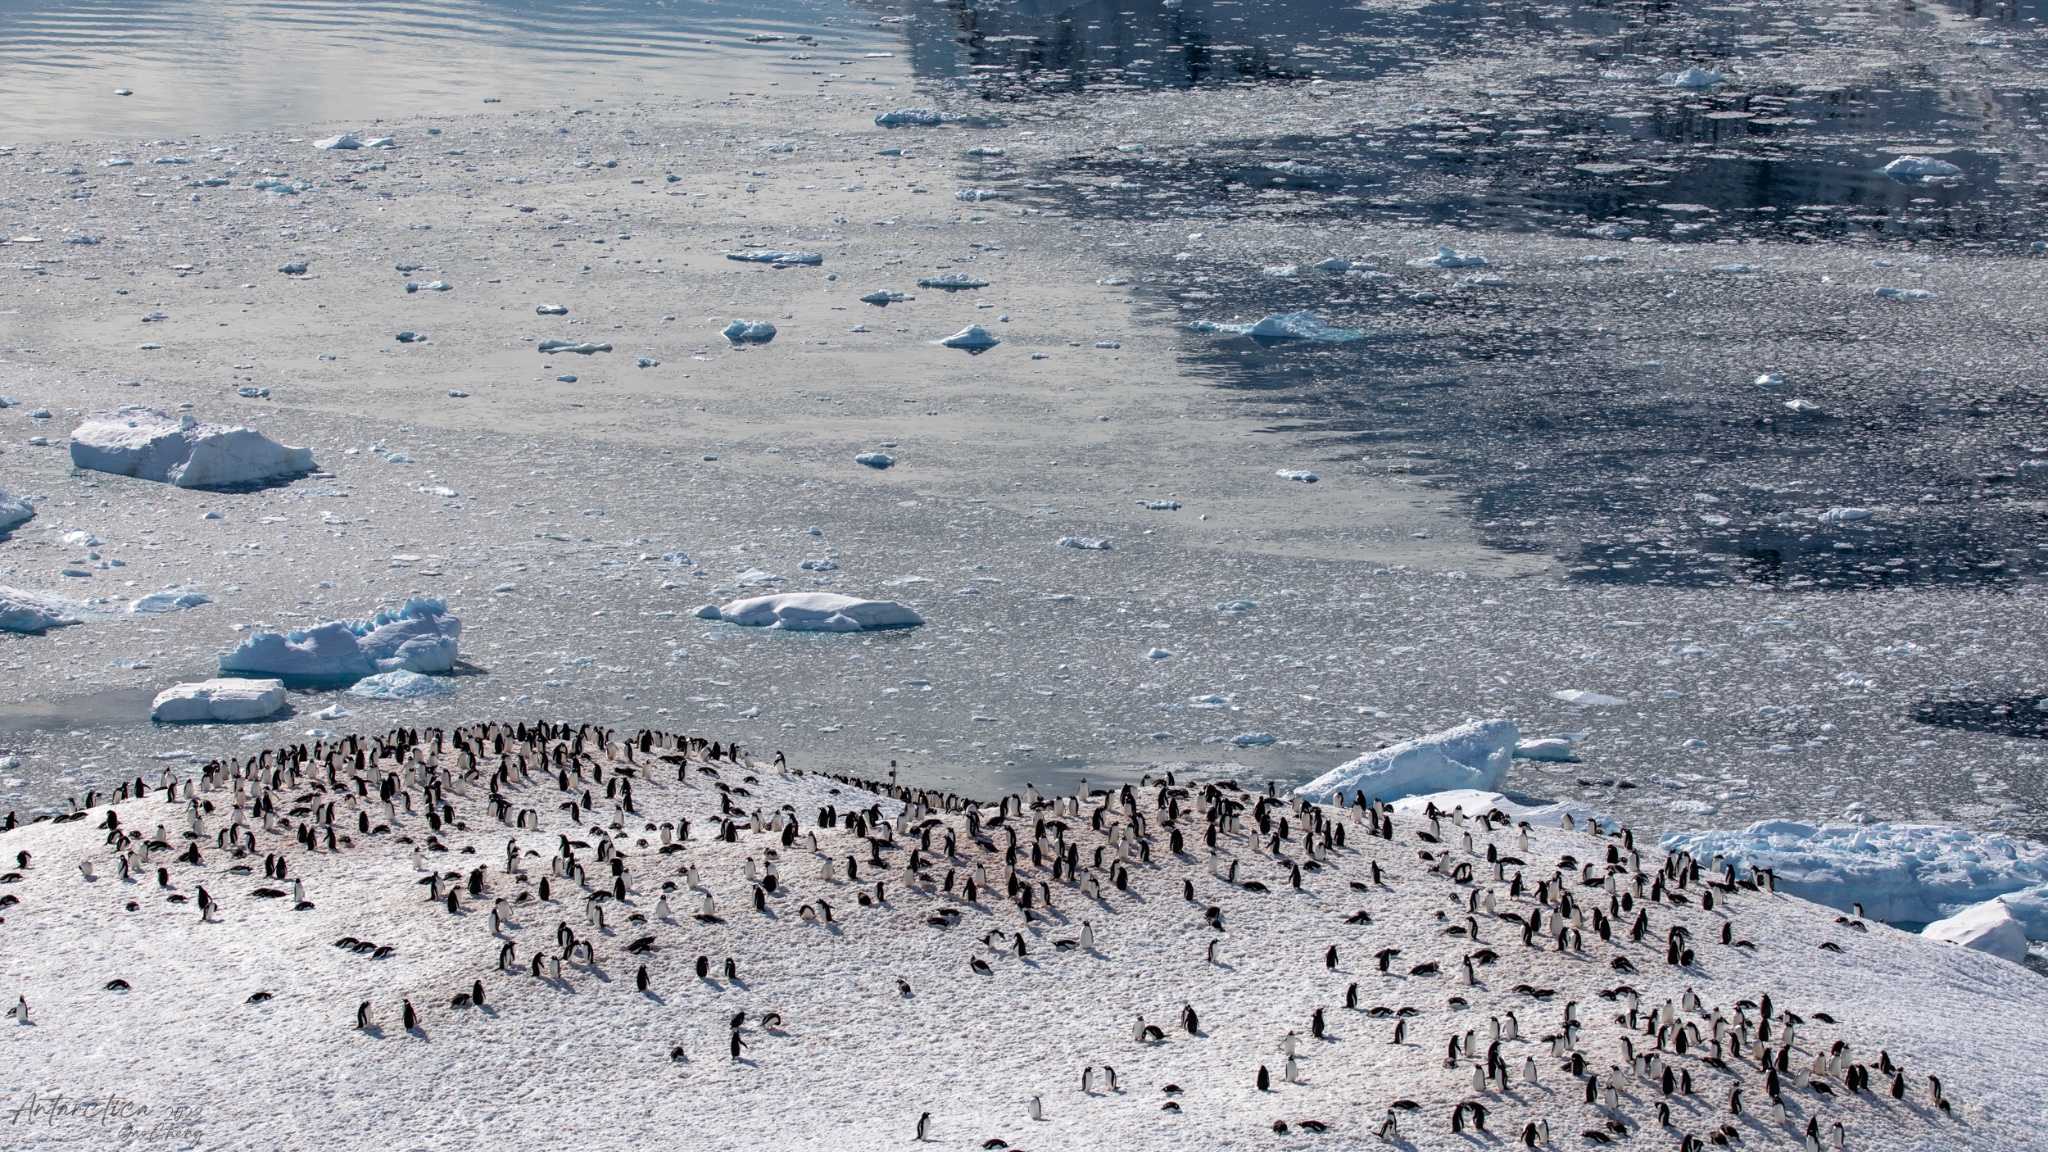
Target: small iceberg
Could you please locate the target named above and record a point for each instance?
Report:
(33, 612)
(1449, 257)
(1695, 78)
(1335, 264)
(218, 701)
(1275, 327)
(149, 445)
(420, 637)
(749, 331)
(14, 511)
(1988, 927)
(1254, 739)
(974, 338)
(1586, 699)
(884, 298)
(876, 460)
(952, 282)
(1474, 755)
(550, 309)
(916, 118)
(773, 257)
(1843, 515)
(547, 346)
(428, 286)
(346, 142)
(1550, 749)
(972, 195)
(1914, 169)
(1609, 232)
(169, 600)
(1905, 293)
(399, 685)
(813, 612)
(1084, 543)
(1297, 476)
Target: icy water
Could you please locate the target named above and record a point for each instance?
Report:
(1716, 418)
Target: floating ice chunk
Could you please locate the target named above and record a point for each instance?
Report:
(972, 195)
(294, 268)
(1549, 748)
(400, 685)
(875, 460)
(420, 637)
(1487, 281)
(1695, 77)
(1335, 264)
(1609, 232)
(822, 564)
(1913, 169)
(916, 118)
(814, 612)
(1297, 168)
(331, 712)
(150, 445)
(1253, 739)
(1473, 755)
(1802, 406)
(219, 701)
(1160, 505)
(428, 286)
(1449, 257)
(1291, 326)
(1905, 293)
(1084, 543)
(1987, 927)
(884, 298)
(345, 142)
(1910, 873)
(1769, 380)
(169, 600)
(1158, 654)
(770, 256)
(1237, 606)
(749, 331)
(23, 611)
(551, 309)
(1843, 515)
(753, 576)
(952, 282)
(547, 346)
(974, 338)
(410, 337)
(1736, 269)
(985, 150)
(1297, 476)
(1281, 271)
(1588, 699)
(14, 511)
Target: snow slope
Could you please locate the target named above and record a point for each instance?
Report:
(852, 1059)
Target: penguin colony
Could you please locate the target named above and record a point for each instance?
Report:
(1414, 998)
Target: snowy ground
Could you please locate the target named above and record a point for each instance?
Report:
(588, 1060)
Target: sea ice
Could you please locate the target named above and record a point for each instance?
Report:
(1549, 748)
(23, 611)
(916, 118)
(1449, 257)
(170, 600)
(952, 282)
(1609, 232)
(551, 309)
(974, 338)
(875, 460)
(1585, 698)
(227, 700)
(1084, 543)
(1275, 326)
(1694, 77)
(420, 637)
(1987, 927)
(814, 612)
(547, 346)
(14, 511)
(749, 331)
(1912, 873)
(399, 685)
(770, 256)
(148, 444)
(1297, 475)
(1913, 169)
(1472, 755)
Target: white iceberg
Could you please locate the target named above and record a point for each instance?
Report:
(1275, 326)
(1987, 927)
(581, 349)
(876, 460)
(1449, 257)
(952, 282)
(23, 611)
(1843, 515)
(400, 685)
(1084, 543)
(1551, 749)
(420, 637)
(14, 511)
(916, 118)
(1584, 698)
(218, 701)
(1913, 169)
(974, 338)
(771, 256)
(1907, 873)
(1695, 77)
(346, 142)
(1609, 232)
(169, 600)
(1472, 755)
(750, 331)
(1297, 475)
(814, 612)
(149, 445)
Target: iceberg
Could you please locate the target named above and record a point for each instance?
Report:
(1292, 326)
(1906, 873)
(169, 600)
(219, 701)
(346, 142)
(400, 685)
(1987, 927)
(749, 331)
(1695, 77)
(770, 256)
(1475, 801)
(876, 460)
(813, 612)
(916, 118)
(22, 611)
(14, 511)
(1551, 749)
(1472, 755)
(148, 444)
(1913, 169)
(882, 298)
(1449, 257)
(547, 346)
(952, 282)
(1084, 543)
(420, 637)
(1586, 699)
(1297, 475)
(974, 338)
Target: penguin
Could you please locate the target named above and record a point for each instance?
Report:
(732, 969)
(1400, 1031)
(20, 1009)
(736, 1044)
(640, 978)
(411, 1018)
(363, 1020)
(1035, 1109)
(1265, 1079)
(1330, 958)
(924, 1125)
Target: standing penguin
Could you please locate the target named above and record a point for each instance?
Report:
(924, 1127)
(1265, 1080)
(412, 1018)
(363, 1019)
(1035, 1109)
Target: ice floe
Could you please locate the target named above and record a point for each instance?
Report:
(580, 349)
(1472, 755)
(218, 701)
(1695, 77)
(952, 282)
(1449, 257)
(1585, 698)
(1291, 326)
(400, 685)
(1911, 873)
(1553, 749)
(770, 256)
(1913, 169)
(1297, 475)
(24, 611)
(876, 460)
(150, 445)
(749, 331)
(1085, 543)
(916, 118)
(420, 637)
(1988, 927)
(170, 600)
(14, 511)
(814, 612)
(973, 338)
